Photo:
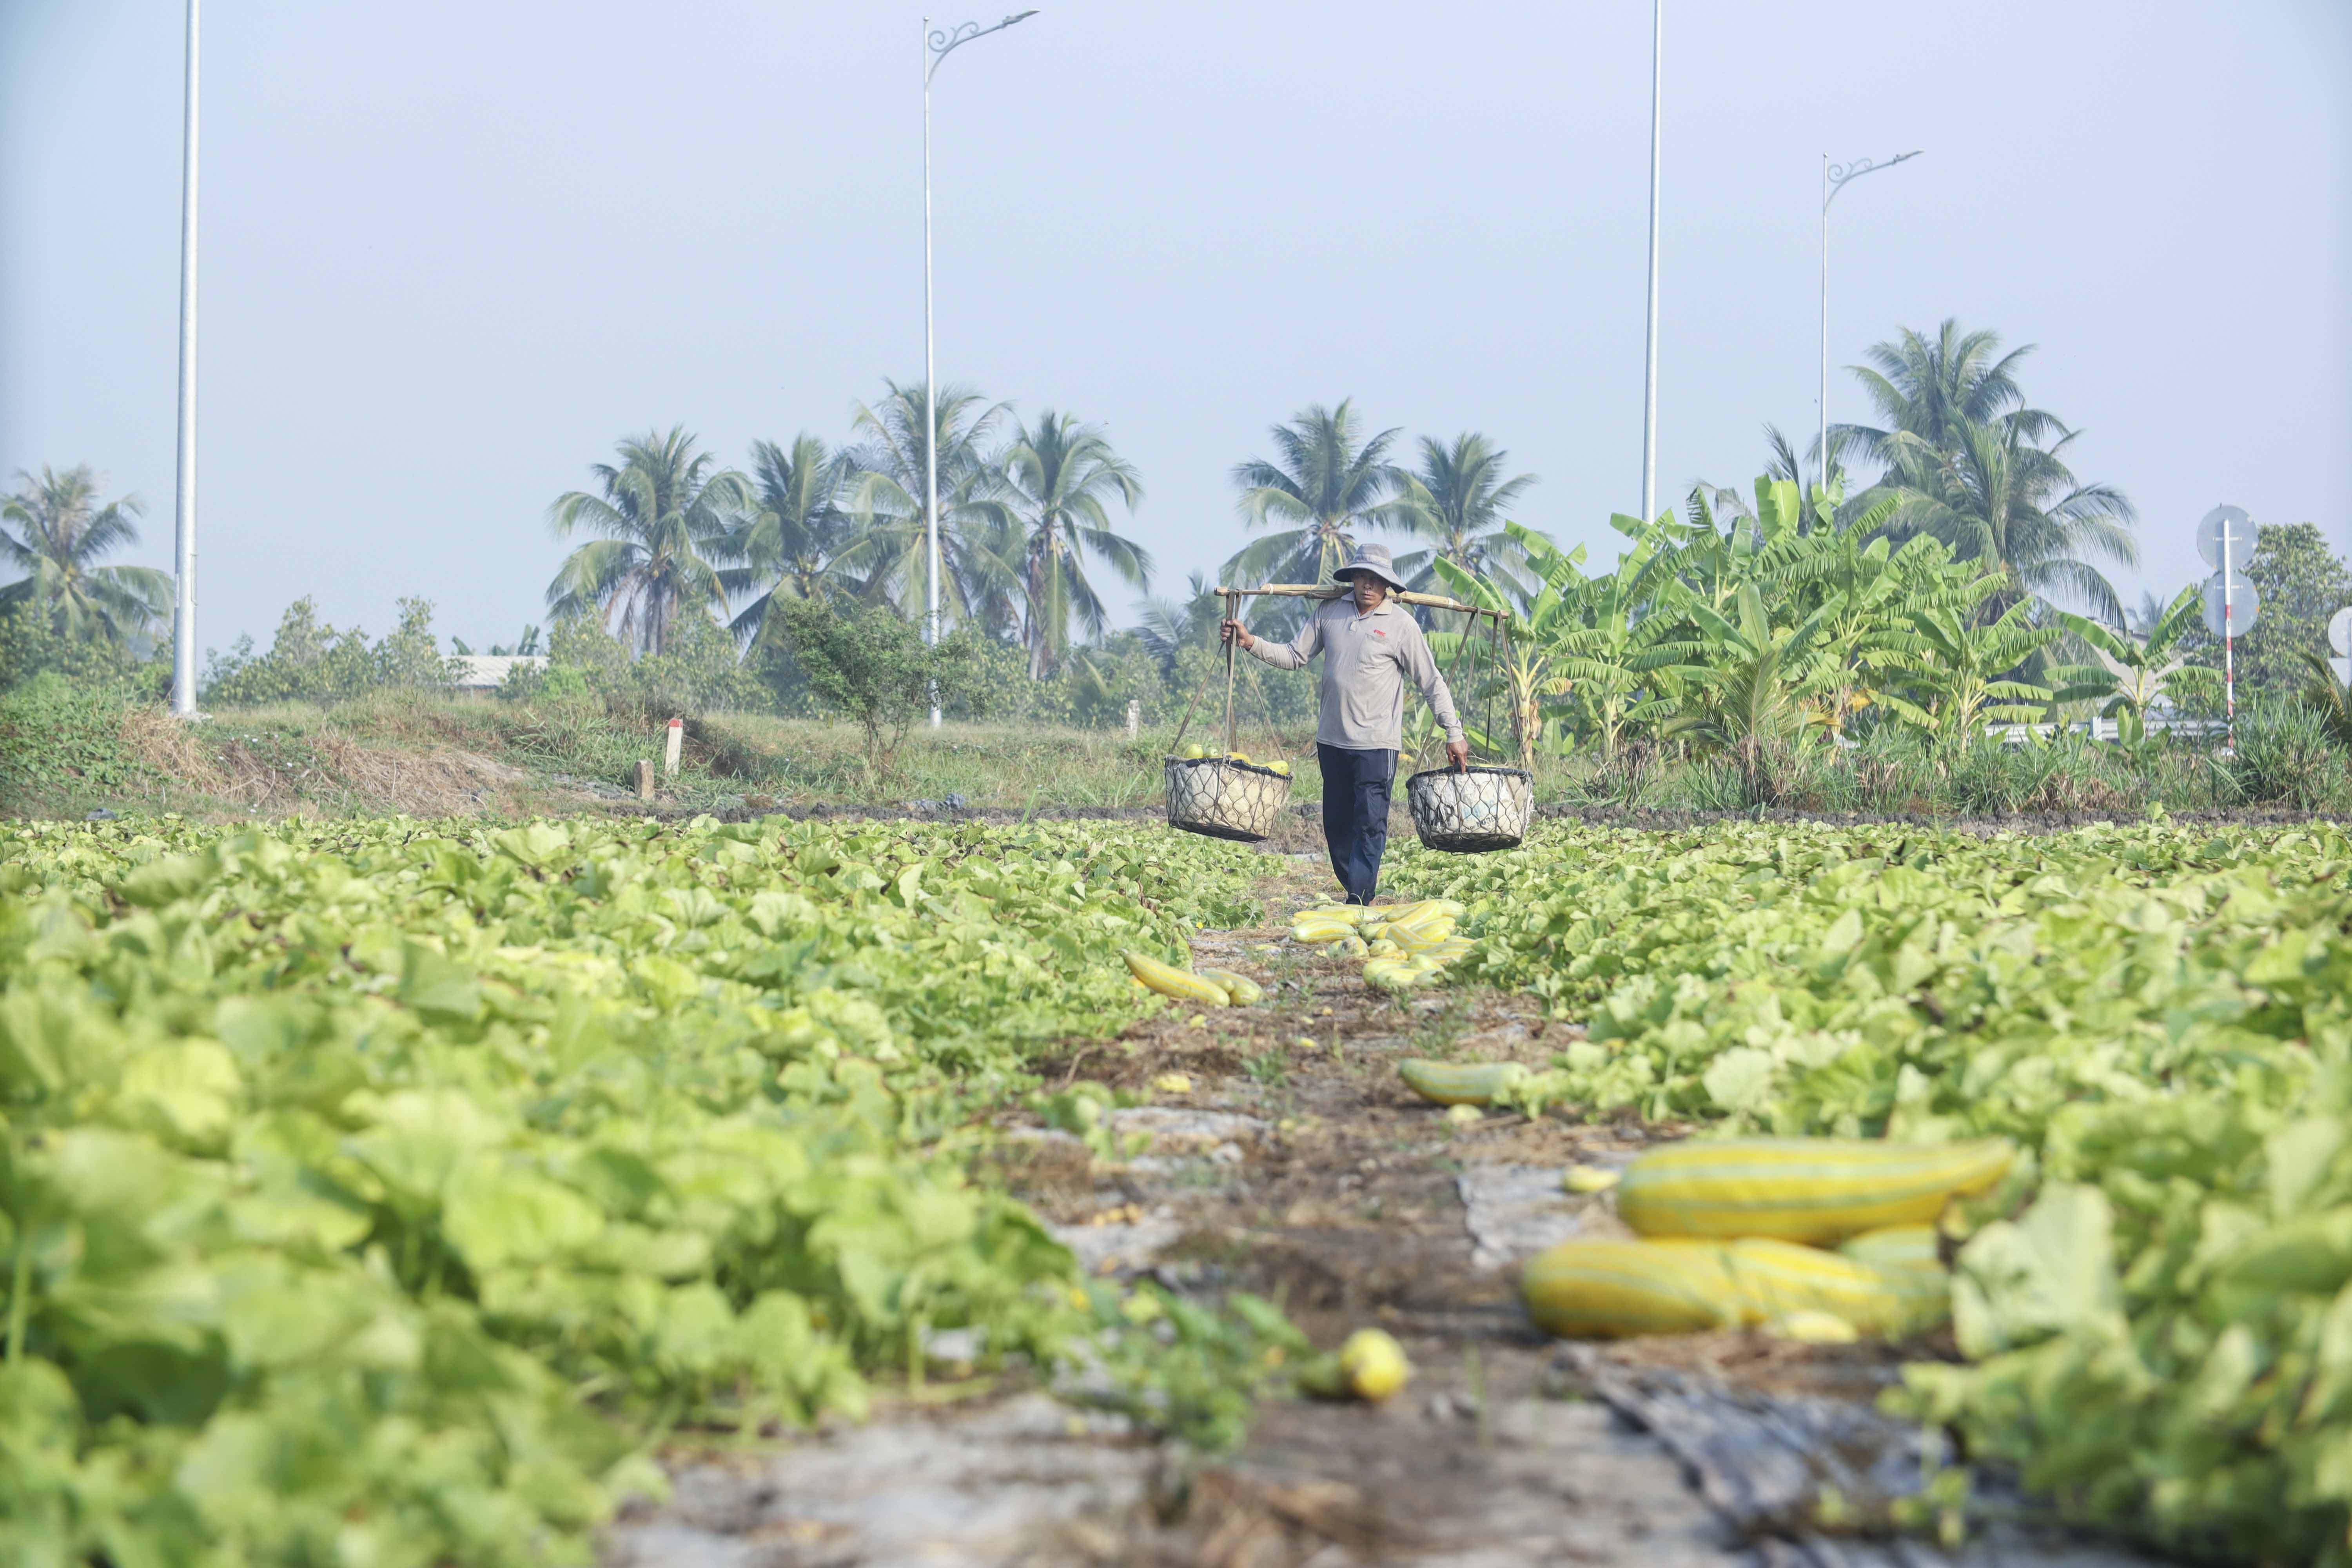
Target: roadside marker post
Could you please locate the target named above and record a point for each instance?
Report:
(2225, 538)
(671, 748)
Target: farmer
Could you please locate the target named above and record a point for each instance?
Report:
(1372, 646)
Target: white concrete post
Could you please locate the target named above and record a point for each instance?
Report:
(1134, 716)
(671, 748)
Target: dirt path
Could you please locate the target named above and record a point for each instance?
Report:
(1295, 1165)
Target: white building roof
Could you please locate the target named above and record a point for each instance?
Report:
(487, 671)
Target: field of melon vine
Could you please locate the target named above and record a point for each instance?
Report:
(381, 1192)
(345, 1165)
(2154, 1313)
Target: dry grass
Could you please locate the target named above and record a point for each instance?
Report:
(336, 763)
(417, 783)
(166, 745)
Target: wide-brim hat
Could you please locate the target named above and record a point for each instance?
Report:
(1372, 558)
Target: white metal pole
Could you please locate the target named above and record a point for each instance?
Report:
(184, 499)
(1824, 404)
(2229, 656)
(1649, 364)
(930, 416)
(1834, 180)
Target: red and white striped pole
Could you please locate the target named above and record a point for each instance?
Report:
(2229, 656)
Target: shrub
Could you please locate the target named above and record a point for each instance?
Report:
(870, 665)
(699, 672)
(31, 646)
(310, 661)
(2286, 757)
(54, 727)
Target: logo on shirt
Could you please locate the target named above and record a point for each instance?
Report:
(1379, 633)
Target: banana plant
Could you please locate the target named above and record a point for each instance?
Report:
(1881, 587)
(1536, 632)
(1959, 672)
(1765, 683)
(2133, 676)
(2329, 694)
(1712, 560)
(1526, 661)
(1602, 650)
(1615, 654)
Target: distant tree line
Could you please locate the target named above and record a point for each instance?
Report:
(1030, 513)
(679, 585)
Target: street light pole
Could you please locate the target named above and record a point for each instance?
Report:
(184, 497)
(1834, 179)
(936, 47)
(1650, 360)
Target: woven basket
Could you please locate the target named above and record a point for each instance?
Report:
(1222, 799)
(1471, 811)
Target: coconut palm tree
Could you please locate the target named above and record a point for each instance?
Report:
(1328, 481)
(1455, 502)
(1933, 391)
(1054, 481)
(61, 533)
(2143, 620)
(668, 523)
(793, 545)
(979, 573)
(1168, 627)
(1999, 498)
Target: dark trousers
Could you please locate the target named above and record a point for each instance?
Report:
(1356, 787)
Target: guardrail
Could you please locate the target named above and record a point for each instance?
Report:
(2107, 729)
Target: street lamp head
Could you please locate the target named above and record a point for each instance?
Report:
(941, 41)
(1835, 175)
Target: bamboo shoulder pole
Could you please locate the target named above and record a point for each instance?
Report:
(1335, 591)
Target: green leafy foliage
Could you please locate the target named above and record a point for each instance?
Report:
(53, 728)
(695, 672)
(374, 1192)
(1187, 1370)
(1763, 643)
(871, 666)
(309, 658)
(2161, 1339)
(2133, 675)
(32, 646)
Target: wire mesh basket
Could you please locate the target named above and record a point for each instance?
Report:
(1224, 799)
(1471, 811)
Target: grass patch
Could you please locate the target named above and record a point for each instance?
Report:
(69, 749)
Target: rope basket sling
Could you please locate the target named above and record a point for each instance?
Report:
(1472, 811)
(1222, 799)
(1477, 809)
(1218, 797)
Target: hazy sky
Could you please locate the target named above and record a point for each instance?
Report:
(452, 250)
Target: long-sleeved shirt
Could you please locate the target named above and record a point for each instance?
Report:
(1367, 660)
